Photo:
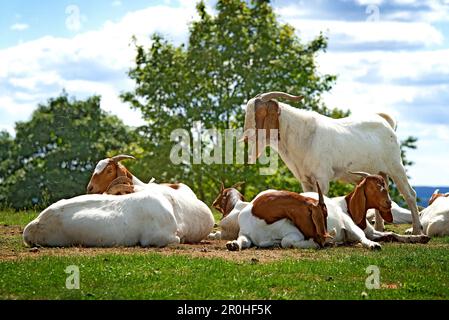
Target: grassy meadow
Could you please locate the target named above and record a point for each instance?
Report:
(208, 271)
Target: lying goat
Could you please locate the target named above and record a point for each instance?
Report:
(157, 215)
(435, 218)
(242, 225)
(320, 149)
(229, 202)
(282, 218)
(371, 193)
(111, 177)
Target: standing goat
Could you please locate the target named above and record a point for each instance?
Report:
(371, 193)
(156, 215)
(320, 149)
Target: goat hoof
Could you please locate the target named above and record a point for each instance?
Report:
(232, 246)
(375, 247)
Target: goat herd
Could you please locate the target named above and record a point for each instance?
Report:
(121, 210)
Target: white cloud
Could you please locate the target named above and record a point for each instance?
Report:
(116, 3)
(19, 27)
(94, 62)
(347, 33)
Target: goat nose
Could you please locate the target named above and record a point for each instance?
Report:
(89, 188)
(388, 203)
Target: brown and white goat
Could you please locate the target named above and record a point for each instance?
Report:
(317, 148)
(281, 218)
(307, 214)
(372, 193)
(111, 177)
(229, 202)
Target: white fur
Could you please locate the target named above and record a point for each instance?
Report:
(320, 149)
(156, 215)
(435, 218)
(101, 165)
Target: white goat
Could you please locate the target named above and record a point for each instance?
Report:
(435, 218)
(157, 215)
(320, 149)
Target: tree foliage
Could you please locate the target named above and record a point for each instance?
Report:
(230, 57)
(52, 155)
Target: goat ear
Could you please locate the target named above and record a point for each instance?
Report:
(260, 111)
(272, 118)
(122, 171)
(357, 206)
(387, 216)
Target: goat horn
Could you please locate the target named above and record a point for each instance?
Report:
(276, 94)
(360, 173)
(238, 184)
(320, 194)
(121, 157)
(436, 191)
(446, 194)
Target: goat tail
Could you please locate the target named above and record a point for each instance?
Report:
(391, 121)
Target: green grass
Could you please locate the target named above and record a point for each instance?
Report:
(407, 272)
(13, 218)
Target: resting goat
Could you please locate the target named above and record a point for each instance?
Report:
(242, 225)
(157, 215)
(435, 218)
(229, 202)
(111, 177)
(320, 149)
(282, 218)
(371, 193)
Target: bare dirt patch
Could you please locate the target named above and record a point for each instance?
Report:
(209, 249)
(12, 248)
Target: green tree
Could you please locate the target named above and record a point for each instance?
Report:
(53, 154)
(6, 146)
(230, 57)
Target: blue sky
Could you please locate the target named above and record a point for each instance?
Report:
(390, 56)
